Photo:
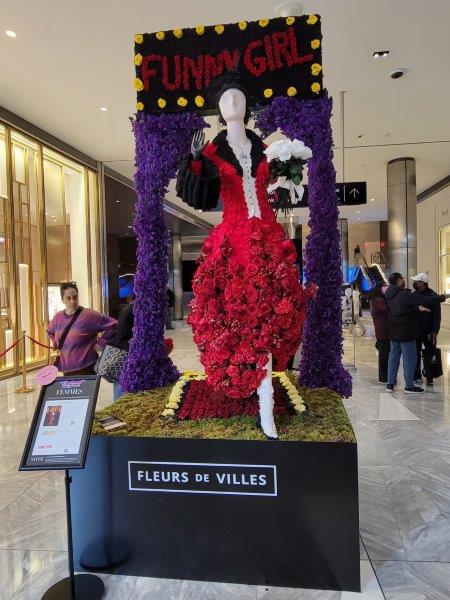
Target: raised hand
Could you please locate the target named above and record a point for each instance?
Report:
(198, 144)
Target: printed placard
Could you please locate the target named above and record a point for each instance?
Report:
(59, 433)
(203, 478)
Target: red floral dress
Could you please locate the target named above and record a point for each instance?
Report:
(248, 301)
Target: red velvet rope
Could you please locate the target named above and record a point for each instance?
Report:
(11, 347)
(39, 343)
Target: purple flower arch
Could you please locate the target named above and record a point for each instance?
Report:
(161, 142)
(322, 350)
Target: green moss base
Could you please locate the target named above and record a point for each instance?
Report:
(325, 420)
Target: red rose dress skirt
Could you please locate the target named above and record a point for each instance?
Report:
(246, 305)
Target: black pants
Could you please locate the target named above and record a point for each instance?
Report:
(426, 342)
(383, 347)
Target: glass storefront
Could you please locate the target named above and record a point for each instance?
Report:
(49, 232)
(444, 260)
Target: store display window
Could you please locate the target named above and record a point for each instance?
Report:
(444, 259)
(49, 232)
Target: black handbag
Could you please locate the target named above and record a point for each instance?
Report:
(110, 363)
(432, 362)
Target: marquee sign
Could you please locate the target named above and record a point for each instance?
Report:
(274, 57)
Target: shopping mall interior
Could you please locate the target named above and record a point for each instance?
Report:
(80, 166)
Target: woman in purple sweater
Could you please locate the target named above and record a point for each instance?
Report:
(78, 353)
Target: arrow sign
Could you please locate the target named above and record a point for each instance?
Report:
(354, 192)
(347, 194)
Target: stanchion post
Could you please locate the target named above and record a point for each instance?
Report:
(80, 586)
(24, 389)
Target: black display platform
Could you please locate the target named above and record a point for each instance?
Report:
(263, 513)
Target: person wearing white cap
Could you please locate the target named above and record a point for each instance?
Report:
(404, 330)
(429, 324)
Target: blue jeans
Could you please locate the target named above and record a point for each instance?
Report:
(117, 391)
(408, 351)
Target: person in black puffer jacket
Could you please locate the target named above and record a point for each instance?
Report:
(404, 329)
(429, 324)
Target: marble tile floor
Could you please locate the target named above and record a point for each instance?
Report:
(404, 473)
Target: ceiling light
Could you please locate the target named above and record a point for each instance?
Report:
(103, 108)
(358, 211)
(380, 54)
(372, 199)
(10, 33)
(117, 201)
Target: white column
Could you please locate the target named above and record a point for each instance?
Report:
(402, 216)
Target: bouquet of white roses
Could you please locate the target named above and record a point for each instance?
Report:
(286, 161)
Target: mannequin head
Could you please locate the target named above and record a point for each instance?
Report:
(232, 101)
(233, 105)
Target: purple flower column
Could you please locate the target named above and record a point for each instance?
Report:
(161, 142)
(309, 121)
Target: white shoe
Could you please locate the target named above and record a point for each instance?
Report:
(266, 414)
(266, 403)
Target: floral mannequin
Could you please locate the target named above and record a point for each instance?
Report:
(248, 306)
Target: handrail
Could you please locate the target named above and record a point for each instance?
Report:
(365, 271)
(381, 270)
(379, 258)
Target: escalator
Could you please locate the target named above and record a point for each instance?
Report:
(377, 275)
(358, 274)
(369, 276)
(379, 267)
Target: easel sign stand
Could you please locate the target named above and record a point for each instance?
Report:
(58, 440)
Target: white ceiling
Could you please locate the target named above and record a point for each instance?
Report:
(69, 59)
